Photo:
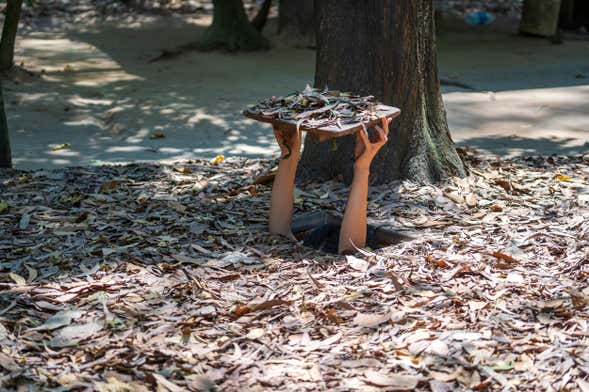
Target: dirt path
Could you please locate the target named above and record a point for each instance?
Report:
(99, 94)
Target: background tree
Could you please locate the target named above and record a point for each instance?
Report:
(231, 29)
(540, 17)
(259, 21)
(5, 155)
(296, 23)
(386, 48)
(11, 19)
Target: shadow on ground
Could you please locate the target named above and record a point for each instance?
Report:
(101, 97)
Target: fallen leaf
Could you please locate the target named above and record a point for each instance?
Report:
(369, 320)
(471, 200)
(24, 221)
(255, 333)
(3, 206)
(165, 384)
(438, 262)
(438, 347)
(562, 177)
(506, 185)
(357, 264)
(72, 335)
(504, 257)
(58, 320)
(109, 186)
(63, 146)
(392, 380)
(8, 363)
(19, 280)
(157, 135)
(218, 159)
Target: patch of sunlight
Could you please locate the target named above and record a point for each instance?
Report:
(85, 121)
(69, 61)
(82, 102)
(200, 20)
(238, 149)
(126, 149)
(28, 98)
(61, 161)
(63, 153)
(138, 137)
(201, 115)
(171, 150)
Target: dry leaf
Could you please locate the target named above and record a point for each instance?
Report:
(357, 264)
(504, 257)
(165, 384)
(255, 333)
(397, 382)
(63, 146)
(218, 159)
(19, 280)
(368, 320)
(471, 200)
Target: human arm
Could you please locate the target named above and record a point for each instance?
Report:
(282, 198)
(353, 228)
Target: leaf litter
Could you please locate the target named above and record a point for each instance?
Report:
(127, 278)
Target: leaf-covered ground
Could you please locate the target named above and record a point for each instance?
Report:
(132, 278)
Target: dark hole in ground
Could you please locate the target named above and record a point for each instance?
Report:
(320, 230)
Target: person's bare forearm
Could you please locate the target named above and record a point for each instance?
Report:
(353, 229)
(282, 199)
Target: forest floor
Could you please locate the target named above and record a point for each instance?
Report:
(151, 276)
(96, 97)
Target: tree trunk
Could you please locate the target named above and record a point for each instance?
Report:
(9, 30)
(259, 21)
(384, 48)
(5, 156)
(574, 14)
(540, 17)
(231, 29)
(296, 25)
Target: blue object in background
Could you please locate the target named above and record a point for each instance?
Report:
(479, 18)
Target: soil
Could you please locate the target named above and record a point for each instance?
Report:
(96, 97)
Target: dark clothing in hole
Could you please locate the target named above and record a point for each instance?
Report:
(321, 230)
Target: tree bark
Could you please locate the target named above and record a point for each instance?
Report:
(574, 14)
(384, 48)
(540, 17)
(231, 29)
(9, 30)
(296, 24)
(259, 21)
(5, 155)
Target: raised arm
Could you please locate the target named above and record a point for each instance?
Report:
(282, 198)
(353, 230)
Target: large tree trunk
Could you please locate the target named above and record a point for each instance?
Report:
(574, 14)
(540, 17)
(296, 23)
(231, 29)
(5, 156)
(9, 30)
(384, 48)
